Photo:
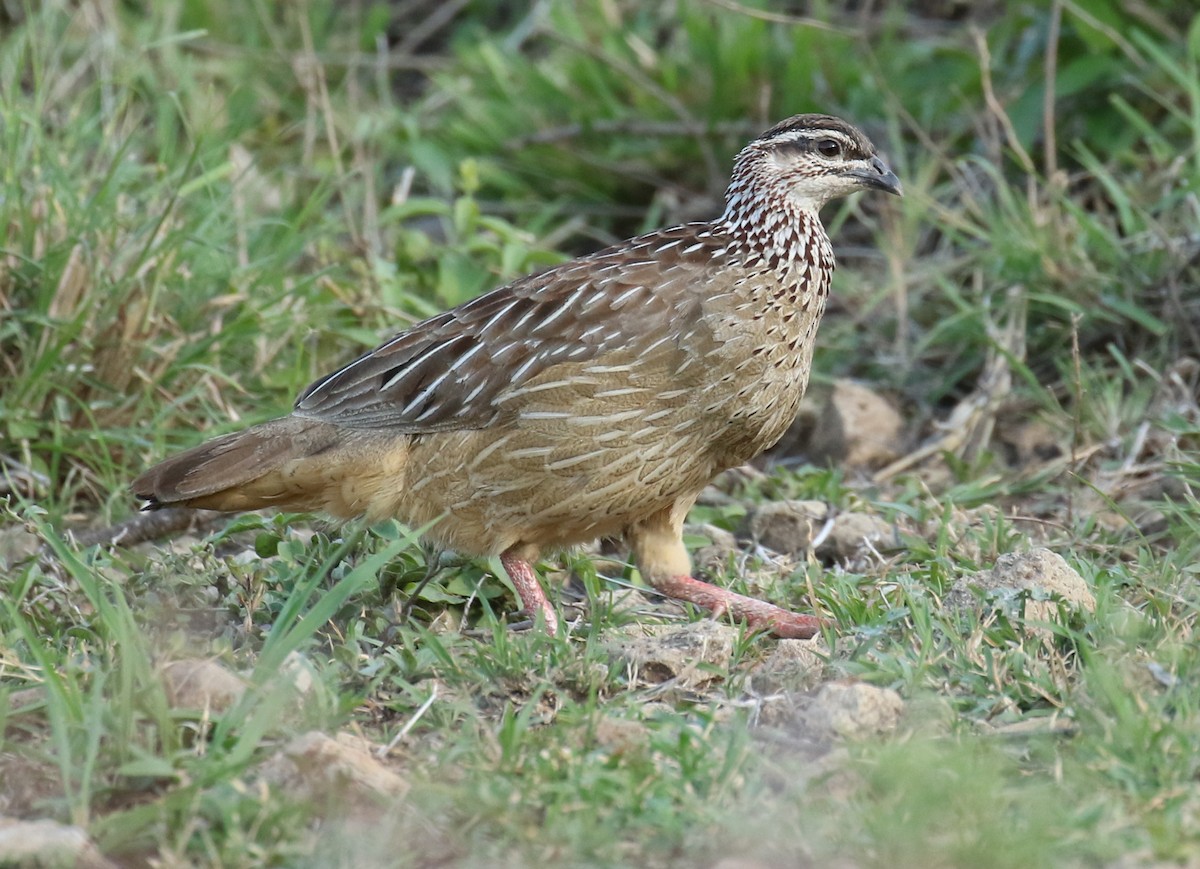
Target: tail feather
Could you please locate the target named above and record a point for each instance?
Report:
(245, 470)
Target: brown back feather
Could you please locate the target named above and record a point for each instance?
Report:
(450, 373)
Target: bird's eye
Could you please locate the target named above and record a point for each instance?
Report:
(829, 147)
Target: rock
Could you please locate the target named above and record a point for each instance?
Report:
(653, 654)
(1028, 442)
(965, 530)
(335, 772)
(1039, 571)
(198, 683)
(857, 428)
(733, 481)
(16, 545)
(793, 665)
(618, 606)
(27, 783)
(620, 735)
(18, 700)
(1047, 571)
(795, 441)
(853, 710)
(46, 843)
(787, 527)
(714, 558)
(853, 535)
(300, 671)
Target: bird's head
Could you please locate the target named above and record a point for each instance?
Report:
(809, 159)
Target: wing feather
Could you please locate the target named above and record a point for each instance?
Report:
(452, 370)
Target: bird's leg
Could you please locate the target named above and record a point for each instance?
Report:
(519, 567)
(758, 614)
(664, 563)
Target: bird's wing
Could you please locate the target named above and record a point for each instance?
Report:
(451, 371)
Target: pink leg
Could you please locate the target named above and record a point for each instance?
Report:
(758, 614)
(533, 599)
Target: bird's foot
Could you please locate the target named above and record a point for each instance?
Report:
(757, 614)
(533, 599)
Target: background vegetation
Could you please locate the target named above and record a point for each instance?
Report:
(207, 203)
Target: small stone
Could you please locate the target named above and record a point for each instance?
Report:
(853, 710)
(965, 530)
(300, 671)
(716, 536)
(787, 527)
(854, 534)
(653, 654)
(625, 600)
(734, 480)
(48, 843)
(793, 665)
(714, 558)
(1029, 443)
(857, 428)
(1042, 570)
(334, 771)
(620, 735)
(16, 545)
(198, 683)
(1039, 571)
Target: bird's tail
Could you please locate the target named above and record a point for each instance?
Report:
(288, 463)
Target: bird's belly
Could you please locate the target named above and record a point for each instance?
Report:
(584, 452)
(553, 485)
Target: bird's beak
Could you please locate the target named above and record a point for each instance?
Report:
(879, 177)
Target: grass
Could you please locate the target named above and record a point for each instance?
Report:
(206, 204)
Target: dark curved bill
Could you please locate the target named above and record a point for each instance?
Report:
(879, 177)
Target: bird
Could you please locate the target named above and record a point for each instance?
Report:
(594, 399)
